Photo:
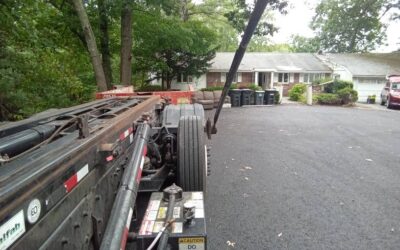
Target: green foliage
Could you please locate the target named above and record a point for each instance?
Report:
(42, 64)
(305, 45)
(213, 88)
(321, 80)
(337, 85)
(277, 97)
(348, 95)
(254, 87)
(240, 14)
(296, 93)
(349, 26)
(328, 99)
(234, 86)
(169, 47)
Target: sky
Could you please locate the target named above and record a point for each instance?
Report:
(300, 14)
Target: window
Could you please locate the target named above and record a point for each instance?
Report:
(186, 78)
(237, 77)
(283, 77)
(306, 77)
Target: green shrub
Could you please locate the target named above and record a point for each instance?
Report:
(254, 87)
(348, 95)
(213, 88)
(277, 97)
(337, 85)
(150, 88)
(321, 80)
(234, 86)
(329, 99)
(297, 92)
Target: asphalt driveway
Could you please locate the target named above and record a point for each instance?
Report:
(299, 177)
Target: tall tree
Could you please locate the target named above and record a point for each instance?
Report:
(239, 16)
(305, 44)
(105, 41)
(169, 47)
(91, 45)
(126, 43)
(349, 25)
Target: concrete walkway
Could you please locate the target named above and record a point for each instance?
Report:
(285, 100)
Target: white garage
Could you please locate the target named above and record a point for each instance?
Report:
(367, 71)
(367, 86)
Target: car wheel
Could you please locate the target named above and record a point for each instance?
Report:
(382, 101)
(192, 154)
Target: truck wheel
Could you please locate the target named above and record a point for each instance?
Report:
(191, 170)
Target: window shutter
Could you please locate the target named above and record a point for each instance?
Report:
(239, 77)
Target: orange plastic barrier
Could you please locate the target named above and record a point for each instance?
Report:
(175, 97)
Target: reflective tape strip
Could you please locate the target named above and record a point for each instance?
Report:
(139, 175)
(76, 178)
(145, 150)
(126, 229)
(126, 133)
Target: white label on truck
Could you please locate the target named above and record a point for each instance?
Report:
(197, 195)
(154, 204)
(177, 212)
(199, 213)
(177, 227)
(150, 215)
(146, 228)
(12, 230)
(158, 225)
(33, 212)
(191, 243)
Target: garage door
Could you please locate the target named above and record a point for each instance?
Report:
(367, 87)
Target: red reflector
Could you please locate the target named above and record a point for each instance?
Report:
(71, 183)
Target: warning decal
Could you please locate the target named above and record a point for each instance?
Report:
(191, 243)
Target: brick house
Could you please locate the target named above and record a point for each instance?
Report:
(267, 70)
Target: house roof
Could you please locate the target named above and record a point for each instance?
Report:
(263, 61)
(368, 64)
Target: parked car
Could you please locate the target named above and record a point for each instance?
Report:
(390, 95)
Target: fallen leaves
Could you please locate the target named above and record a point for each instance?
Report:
(230, 243)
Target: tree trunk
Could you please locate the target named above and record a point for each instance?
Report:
(184, 10)
(91, 44)
(126, 44)
(104, 43)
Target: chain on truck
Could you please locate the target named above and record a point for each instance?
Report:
(118, 173)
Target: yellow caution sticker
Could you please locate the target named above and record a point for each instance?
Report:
(191, 243)
(162, 213)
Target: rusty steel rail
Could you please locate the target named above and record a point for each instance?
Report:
(22, 179)
(116, 234)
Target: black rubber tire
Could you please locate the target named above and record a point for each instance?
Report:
(191, 172)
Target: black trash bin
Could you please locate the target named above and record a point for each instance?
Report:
(259, 97)
(235, 95)
(246, 96)
(269, 96)
(252, 97)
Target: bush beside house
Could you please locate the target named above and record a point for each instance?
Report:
(337, 93)
(296, 93)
